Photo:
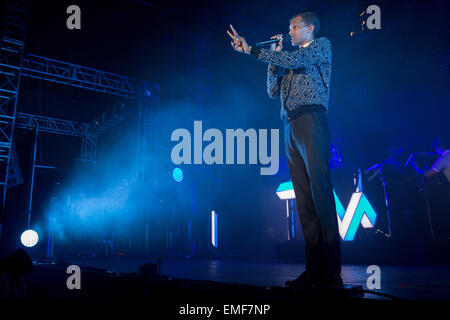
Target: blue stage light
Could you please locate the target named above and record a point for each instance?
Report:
(214, 229)
(29, 238)
(177, 175)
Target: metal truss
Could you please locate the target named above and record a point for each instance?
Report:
(111, 117)
(12, 43)
(63, 127)
(51, 125)
(89, 147)
(92, 79)
(14, 64)
(146, 173)
(88, 78)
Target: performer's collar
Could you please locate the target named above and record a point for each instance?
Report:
(304, 45)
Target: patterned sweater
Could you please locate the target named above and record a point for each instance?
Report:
(306, 76)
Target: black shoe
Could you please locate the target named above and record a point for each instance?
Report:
(304, 280)
(329, 281)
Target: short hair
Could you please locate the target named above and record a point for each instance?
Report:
(309, 18)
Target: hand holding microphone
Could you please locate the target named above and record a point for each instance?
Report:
(277, 46)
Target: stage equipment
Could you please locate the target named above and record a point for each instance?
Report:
(214, 229)
(270, 41)
(359, 210)
(177, 175)
(411, 161)
(29, 238)
(377, 170)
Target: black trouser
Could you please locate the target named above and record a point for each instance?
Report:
(307, 142)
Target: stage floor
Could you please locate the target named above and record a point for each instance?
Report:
(407, 282)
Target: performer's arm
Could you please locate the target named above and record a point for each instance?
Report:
(273, 81)
(318, 52)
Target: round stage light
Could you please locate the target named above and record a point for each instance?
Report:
(177, 175)
(29, 238)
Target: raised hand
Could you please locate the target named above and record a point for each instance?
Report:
(239, 44)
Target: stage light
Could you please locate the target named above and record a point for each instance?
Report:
(177, 175)
(285, 191)
(29, 238)
(214, 229)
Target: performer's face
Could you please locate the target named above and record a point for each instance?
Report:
(299, 31)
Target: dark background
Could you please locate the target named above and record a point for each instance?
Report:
(389, 91)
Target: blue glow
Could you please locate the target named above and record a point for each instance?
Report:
(177, 175)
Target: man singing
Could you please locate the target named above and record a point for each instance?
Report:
(304, 89)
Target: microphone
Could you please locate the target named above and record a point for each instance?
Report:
(267, 42)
